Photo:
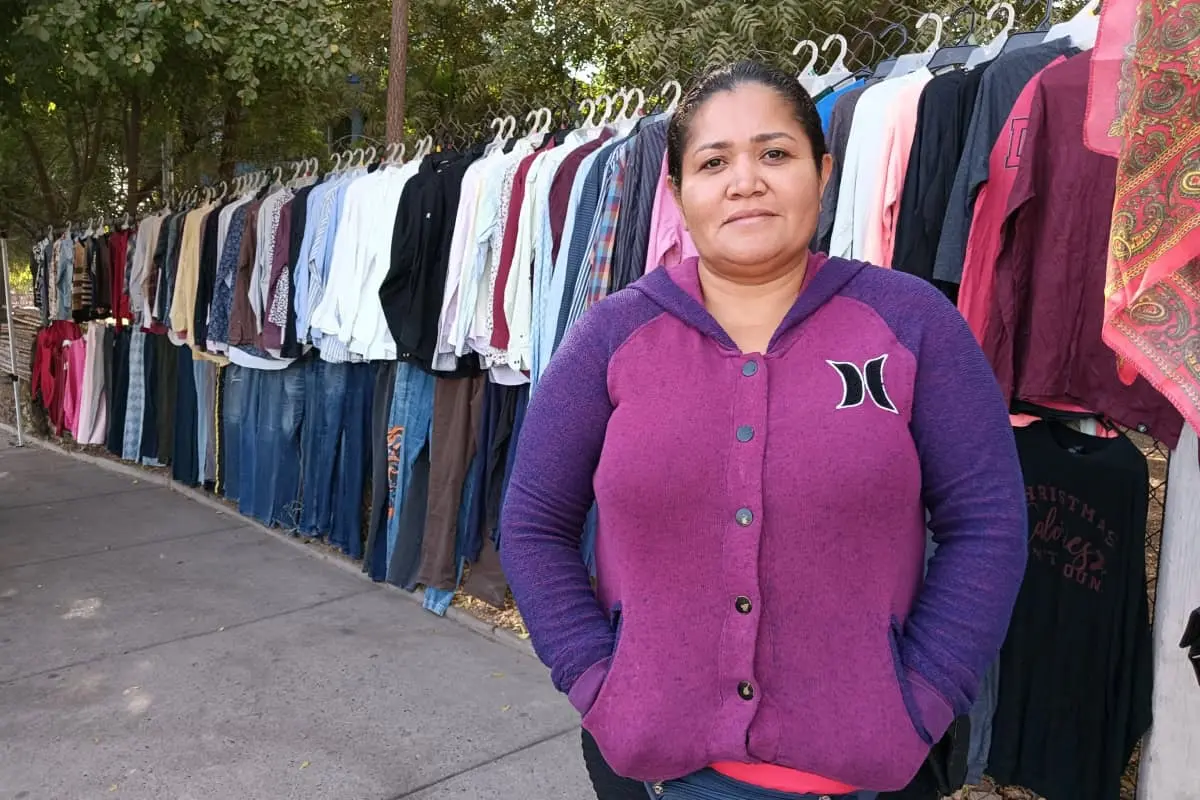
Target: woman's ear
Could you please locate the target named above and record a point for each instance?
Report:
(826, 170)
(677, 196)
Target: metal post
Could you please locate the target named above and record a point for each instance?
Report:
(12, 347)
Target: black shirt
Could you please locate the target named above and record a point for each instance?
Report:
(411, 294)
(207, 277)
(1076, 672)
(943, 115)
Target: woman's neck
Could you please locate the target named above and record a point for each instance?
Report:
(751, 311)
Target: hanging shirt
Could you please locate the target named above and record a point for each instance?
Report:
(411, 293)
(827, 103)
(841, 120)
(1043, 338)
(669, 241)
(444, 357)
(983, 242)
(943, 119)
(1076, 670)
(897, 137)
(998, 91)
(637, 204)
(861, 179)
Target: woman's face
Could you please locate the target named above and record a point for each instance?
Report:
(750, 189)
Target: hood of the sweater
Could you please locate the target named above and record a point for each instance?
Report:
(676, 289)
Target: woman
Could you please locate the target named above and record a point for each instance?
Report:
(763, 432)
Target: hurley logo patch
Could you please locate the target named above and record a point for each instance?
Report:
(859, 383)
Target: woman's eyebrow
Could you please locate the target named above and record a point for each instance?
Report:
(757, 139)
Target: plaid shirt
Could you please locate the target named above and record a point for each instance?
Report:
(598, 263)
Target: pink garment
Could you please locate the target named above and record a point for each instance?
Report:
(92, 427)
(670, 242)
(74, 365)
(983, 244)
(897, 142)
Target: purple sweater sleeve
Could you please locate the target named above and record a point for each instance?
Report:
(548, 499)
(975, 495)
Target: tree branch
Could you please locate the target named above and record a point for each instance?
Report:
(45, 186)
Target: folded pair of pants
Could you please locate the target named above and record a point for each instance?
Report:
(708, 784)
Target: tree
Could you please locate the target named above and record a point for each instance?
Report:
(96, 86)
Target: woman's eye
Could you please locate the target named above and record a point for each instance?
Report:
(712, 163)
(775, 155)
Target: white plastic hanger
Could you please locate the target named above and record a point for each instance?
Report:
(838, 72)
(1081, 28)
(992, 49)
(675, 98)
(808, 78)
(911, 62)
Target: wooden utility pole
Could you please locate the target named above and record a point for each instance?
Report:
(397, 68)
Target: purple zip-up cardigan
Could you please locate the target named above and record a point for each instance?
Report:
(760, 593)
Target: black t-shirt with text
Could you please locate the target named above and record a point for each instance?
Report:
(1076, 671)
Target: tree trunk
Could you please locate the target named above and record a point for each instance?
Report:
(133, 154)
(229, 134)
(397, 71)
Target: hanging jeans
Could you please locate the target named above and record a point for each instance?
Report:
(135, 403)
(185, 465)
(252, 462)
(66, 272)
(354, 459)
(234, 400)
(150, 445)
(120, 393)
(375, 557)
(281, 417)
(203, 376)
(408, 434)
(457, 408)
(324, 401)
(406, 558)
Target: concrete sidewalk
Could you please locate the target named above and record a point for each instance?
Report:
(153, 647)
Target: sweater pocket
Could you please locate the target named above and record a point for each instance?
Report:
(906, 688)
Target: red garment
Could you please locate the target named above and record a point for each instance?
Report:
(48, 380)
(1044, 333)
(1142, 108)
(564, 181)
(983, 243)
(118, 250)
(508, 249)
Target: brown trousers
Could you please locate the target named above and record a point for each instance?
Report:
(457, 412)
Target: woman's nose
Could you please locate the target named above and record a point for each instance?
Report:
(745, 179)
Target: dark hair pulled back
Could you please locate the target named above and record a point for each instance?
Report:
(726, 79)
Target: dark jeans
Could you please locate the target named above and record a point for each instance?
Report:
(354, 459)
(185, 467)
(233, 408)
(325, 397)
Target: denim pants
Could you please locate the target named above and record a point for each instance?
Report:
(282, 422)
(249, 469)
(233, 408)
(135, 404)
(354, 458)
(65, 273)
(709, 784)
(324, 398)
(185, 465)
(409, 431)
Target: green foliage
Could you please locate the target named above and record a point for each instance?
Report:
(115, 42)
